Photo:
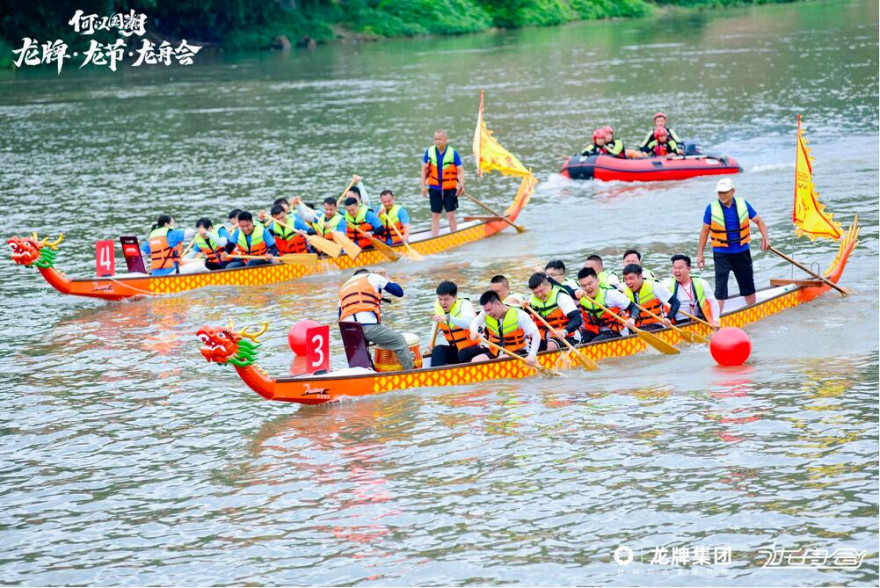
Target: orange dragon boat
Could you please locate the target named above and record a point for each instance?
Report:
(225, 346)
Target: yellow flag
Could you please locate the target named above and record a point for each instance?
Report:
(489, 153)
(809, 214)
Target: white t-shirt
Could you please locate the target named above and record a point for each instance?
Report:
(523, 321)
(462, 322)
(688, 298)
(368, 318)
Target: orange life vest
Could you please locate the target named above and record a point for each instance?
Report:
(450, 170)
(717, 228)
(550, 310)
(455, 336)
(595, 318)
(649, 302)
(389, 219)
(257, 245)
(506, 333)
(288, 240)
(163, 255)
(361, 223)
(359, 295)
(209, 247)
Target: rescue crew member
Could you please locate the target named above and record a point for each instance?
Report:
(290, 233)
(660, 121)
(453, 316)
(231, 224)
(633, 256)
(165, 246)
(325, 222)
(555, 270)
(651, 295)
(501, 286)
(210, 244)
(607, 279)
(613, 146)
(597, 147)
(393, 214)
(359, 301)
(599, 324)
(727, 220)
(556, 306)
(250, 238)
(358, 215)
(510, 328)
(662, 144)
(443, 180)
(693, 295)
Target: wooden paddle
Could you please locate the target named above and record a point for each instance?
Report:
(309, 259)
(344, 192)
(350, 247)
(840, 289)
(582, 359)
(323, 245)
(411, 253)
(537, 365)
(380, 245)
(652, 340)
(518, 228)
(686, 335)
(433, 336)
(696, 318)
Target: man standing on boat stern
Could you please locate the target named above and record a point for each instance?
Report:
(727, 221)
(359, 301)
(442, 180)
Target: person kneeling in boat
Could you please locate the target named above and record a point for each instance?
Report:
(661, 145)
(210, 244)
(251, 239)
(510, 328)
(693, 295)
(555, 305)
(649, 295)
(598, 145)
(501, 286)
(613, 146)
(607, 279)
(359, 301)
(393, 216)
(598, 323)
(362, 223)
(165, 246)
(290, 233)
(452, 318)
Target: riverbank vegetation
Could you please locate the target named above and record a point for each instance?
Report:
(261, 24)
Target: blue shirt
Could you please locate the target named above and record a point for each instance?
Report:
(340, 226)
(440, 156)
(175, 237)
(731, 224)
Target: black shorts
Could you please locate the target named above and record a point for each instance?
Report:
(741, 265)
(441, 199)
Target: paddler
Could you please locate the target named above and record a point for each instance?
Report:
(395, 215)
(597, 147)
(210, 244)
(633, 256)
(358, 215)
(501, 286)
(607, 279)
(511, 328)
(165, 246)
(359, 191)
(555, 270)
(613, 146)
(556, 306)
(359, 302)
(231, 224)
(442, 180)
(452, 317)
(650, 295)
(599, 324)
(693, 295)
(289, 232)
(250, 238)
(325, 222)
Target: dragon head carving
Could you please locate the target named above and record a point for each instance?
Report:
(225, 345)
(29, 251)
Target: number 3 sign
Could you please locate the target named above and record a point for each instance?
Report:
(318, 348)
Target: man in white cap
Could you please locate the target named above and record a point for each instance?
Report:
(727, 221)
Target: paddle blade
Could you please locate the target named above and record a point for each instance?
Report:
(350, 247)
(692, 337)
(309, 259)
(413, 254)
(326, 246)
(385, 249)
(586, 362)
(657, 343)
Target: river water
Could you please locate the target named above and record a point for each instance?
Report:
(125, 459)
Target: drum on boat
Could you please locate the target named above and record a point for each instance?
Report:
(385, 360)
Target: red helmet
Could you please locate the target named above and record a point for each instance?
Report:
(660, 132)
(608, 130)
(663, 114)
(598, 133)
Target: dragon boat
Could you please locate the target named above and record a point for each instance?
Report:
(223, 345)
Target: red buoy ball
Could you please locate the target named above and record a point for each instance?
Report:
(296, 336)
(730, 346)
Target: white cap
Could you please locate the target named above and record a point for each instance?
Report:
(724, 185)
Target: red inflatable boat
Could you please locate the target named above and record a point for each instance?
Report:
(652, 169)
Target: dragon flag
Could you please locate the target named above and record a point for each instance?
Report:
(809, 214)
(490, 155)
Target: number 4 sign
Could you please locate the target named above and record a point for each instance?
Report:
(105, 258)
(318, 349)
